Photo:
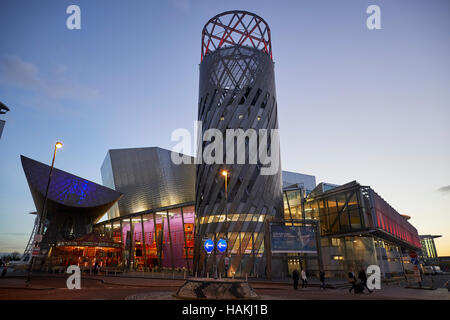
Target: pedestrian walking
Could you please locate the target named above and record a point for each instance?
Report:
(295, 277)
(5, 269)
(96, 267)
(363, 278)
(352, 280)
(322, 279)
(304, 279)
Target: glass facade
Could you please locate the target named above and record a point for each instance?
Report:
(154, 239)
(357, 228)
(293, 205)
(428, 253)
(353, 209)
(341, 212)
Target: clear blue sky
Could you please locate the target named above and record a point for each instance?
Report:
(353, 103)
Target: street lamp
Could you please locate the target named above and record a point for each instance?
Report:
(225, 174)
(40, 231)
(58, 145)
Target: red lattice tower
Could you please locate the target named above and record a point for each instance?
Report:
(233, 28)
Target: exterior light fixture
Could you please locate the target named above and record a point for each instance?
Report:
(58, 145)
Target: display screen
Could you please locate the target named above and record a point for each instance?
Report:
(296, 239)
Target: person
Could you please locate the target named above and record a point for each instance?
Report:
(352, 280)
(5, 269)
(322, 279)
(363, 278)
(96, 267)
(304, 279)
(295, 277)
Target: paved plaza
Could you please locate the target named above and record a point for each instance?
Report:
(100, 287)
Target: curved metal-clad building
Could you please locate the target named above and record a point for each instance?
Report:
(73, 204)
(237, 91)
(148, 179)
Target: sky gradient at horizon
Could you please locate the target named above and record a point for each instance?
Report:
(354, 104)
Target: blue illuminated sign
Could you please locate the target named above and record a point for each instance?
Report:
(221, 245)
(209, 245)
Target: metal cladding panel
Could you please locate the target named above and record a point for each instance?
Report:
(148, 179)
(237, 91)
(108, 180)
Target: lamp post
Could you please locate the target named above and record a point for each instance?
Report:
(40, 231)
(58, 145)
(225, 174)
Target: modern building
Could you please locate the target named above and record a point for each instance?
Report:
(305, 181)
(428, 254)
(158, 234)
(236, 91)
(154, 219)
(147, 178)
(161, 213)
(355, 227)
(73, 205)
(359, 228)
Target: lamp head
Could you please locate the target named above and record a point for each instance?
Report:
(58, 145)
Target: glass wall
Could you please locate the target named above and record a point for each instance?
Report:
(155, 240)
(428, 252)
(338, 212)
(292, 205)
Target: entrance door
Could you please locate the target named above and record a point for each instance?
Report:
(295, 263)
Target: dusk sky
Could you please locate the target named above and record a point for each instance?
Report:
(353, 103)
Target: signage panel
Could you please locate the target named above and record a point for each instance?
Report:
(295, 239)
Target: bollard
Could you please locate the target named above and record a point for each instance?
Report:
(246, 278)
(207, 275)
(196, 274)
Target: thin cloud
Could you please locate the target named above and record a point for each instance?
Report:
(444, 189)
(182, 5)
(16, 72)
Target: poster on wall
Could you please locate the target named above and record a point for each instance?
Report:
(295, 239)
